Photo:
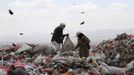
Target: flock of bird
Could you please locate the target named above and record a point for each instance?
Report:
(12, 13)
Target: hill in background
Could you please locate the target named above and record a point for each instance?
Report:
(95, 36)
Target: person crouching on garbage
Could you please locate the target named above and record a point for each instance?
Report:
(58, 36)
(83, 44)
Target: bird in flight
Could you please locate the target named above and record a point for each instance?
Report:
(82, 22)
(21, 33)
(82, 12)
(11, 12)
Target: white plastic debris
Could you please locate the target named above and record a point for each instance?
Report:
(25, 47)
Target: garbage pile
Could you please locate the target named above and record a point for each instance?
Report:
(118, 51)
(108, 58)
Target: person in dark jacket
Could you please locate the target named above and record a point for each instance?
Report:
(58, 36)
(83, 45)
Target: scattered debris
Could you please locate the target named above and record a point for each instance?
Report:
(110, 57)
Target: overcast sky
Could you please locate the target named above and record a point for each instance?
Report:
(42, 16)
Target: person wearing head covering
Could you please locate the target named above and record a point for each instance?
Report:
(83, 45)
(58, 36)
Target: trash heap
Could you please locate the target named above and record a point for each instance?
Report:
(105, 59)
(118, 51)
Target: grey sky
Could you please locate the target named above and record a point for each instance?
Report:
(42, 16)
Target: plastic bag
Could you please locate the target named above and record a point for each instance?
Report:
(2, 72)
(68, 44)
(38, 59)
(130, 65)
